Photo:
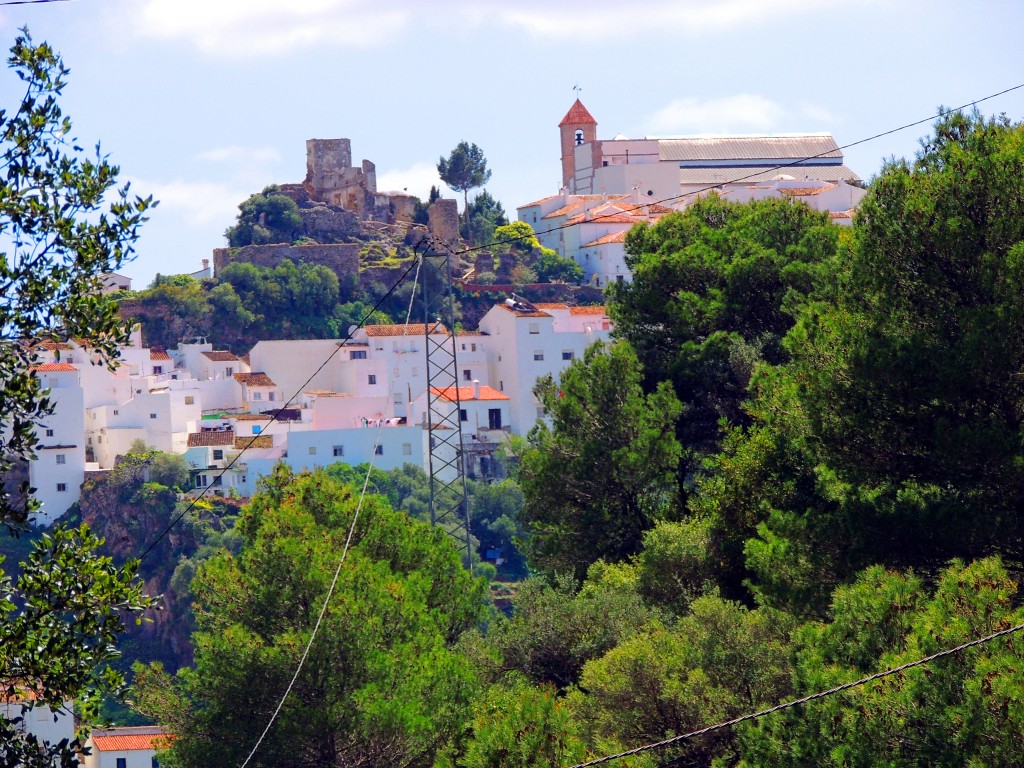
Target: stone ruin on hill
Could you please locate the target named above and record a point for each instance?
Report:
(341, 211)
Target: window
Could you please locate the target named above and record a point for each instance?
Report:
(339, 450)
(567, 355)
(371, 379)
(379, 450)
(407, 449)
(229, 371)
(463, 416)
(357, 354)
(534, 328)
(257, 395)
(152, 415)
(472, 347)
(99, 440)
(272, 396)
(200, 481)
(122, 762)
(90, 441)
(62, 487)
(62, 459)
(155, 763)
(189, 400)
(118, 413)
(49, 432)
(467, 374)
(501, 386)
(312, 450)
(218, 454)
(494, 418)
(218, 480)
(538, 354)
(398, 398)
(158, 369)
(256, 429)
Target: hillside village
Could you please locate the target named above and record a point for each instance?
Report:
(312, 403)
(248, 411)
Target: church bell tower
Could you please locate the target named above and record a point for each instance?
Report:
(577, 127)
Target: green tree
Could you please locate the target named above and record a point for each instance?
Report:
(485, 215)
(57, 640)
(516, 236)
(266, 217)
(960, 710)
(605, 471)
(911, 378)
(382, 683)
(63, 224)
(464, 169)
(713, 292)
(550, 267)
(720, 661)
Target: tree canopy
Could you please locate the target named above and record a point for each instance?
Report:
(382, 684)
(464, 169)
(265, 217)
(64, 223)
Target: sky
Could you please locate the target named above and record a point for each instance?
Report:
(204, 102)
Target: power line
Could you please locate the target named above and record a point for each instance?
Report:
(804, 699)
(30, 2)
(274, 415)
(760, 171)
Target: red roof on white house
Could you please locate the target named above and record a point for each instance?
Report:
(467, 393)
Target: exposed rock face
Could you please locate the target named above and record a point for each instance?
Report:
(328, 223)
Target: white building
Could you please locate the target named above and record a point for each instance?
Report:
(529, 341)
(58, 470)
(51, 726)
(125, 747)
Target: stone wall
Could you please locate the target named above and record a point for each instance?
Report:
(343, 259)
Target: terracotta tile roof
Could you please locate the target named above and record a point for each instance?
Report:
(52, 367)
(578, 114)
(605, 218)
(128, 739)
(522, 312)
(254, 441)
(588, 310)
(245, 359)
(413, 329)
(536, 202)
(257, 379)
(556, 305)
(564, 210)
(466, 393)
(841, 214)
(202, 439)
(52, 345)
(158, 353)
(326, 393)
(614, 237)
(804, 191)
(220, 356)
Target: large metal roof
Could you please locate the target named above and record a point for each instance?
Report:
(716, 149)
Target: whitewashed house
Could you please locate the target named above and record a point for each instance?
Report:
(58, 470)
(125, 747)
(51, 726)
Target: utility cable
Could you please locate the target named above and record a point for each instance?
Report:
(275, 415)
(759, 172)
(327, 599)
(803, 699)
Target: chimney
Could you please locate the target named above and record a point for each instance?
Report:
(476, 389)
(206, 263)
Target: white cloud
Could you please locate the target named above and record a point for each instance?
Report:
(237, 155)
(249, 28)
(197, 203)
(416, 180)
(731, 114)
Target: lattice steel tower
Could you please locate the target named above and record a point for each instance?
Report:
(449, 501)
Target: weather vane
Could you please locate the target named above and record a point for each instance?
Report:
(577, 89)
